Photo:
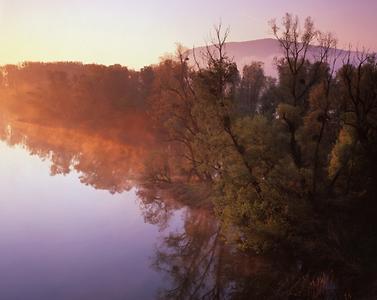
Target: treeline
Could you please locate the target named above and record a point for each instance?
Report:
(105, 86)
(74, 95)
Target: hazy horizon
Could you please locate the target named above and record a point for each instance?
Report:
(138, 34)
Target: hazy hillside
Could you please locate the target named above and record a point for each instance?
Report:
(264, 50)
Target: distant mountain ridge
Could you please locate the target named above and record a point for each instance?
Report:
(265, 51)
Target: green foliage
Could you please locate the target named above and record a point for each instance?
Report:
(283, 159)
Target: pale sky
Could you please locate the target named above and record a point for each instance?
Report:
(137, 33)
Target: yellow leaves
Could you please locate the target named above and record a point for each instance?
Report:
(341, 150)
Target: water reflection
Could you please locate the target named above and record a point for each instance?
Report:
(102, 163)
(199, 261)
(78, 244)
(60, 239)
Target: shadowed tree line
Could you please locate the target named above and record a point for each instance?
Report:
(285, 166)
(290, 162)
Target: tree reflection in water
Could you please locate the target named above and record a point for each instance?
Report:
(199, 261)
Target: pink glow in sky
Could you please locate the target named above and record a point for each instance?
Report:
(137, 33)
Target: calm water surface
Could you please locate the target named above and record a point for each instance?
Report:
(61, 239)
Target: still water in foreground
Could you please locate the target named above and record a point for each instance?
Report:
(77, 221)
(60, 239)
